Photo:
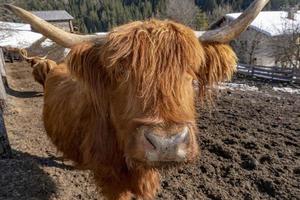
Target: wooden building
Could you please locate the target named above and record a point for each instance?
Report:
(258, 45)
(59, 18)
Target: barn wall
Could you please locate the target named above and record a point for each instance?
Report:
(65, 25)
(254, 47)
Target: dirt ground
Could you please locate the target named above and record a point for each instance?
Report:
(249, 140)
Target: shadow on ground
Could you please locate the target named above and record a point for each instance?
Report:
(22, 94)
(21, 177)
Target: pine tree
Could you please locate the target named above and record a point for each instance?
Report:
(201, 21)
(102, 15)
(209, 5)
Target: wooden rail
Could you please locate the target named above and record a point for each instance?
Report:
(5, 150)
(271, 73)
(11, 54)
(2, 67)
(2, 82)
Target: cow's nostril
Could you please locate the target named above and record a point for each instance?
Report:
(182, 137)
(149, 140)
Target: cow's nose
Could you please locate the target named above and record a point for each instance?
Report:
(164, 143)
(168, 148)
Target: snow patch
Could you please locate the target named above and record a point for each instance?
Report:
(236, 86)
(66, 52)
(14, 26)
(19, 39)
(287, 90)
(17, 35)
(102, 33)
(47, 43)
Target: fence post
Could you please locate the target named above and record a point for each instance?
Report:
(293, 73)
(252, 70)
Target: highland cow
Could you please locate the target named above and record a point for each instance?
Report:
(123, 105)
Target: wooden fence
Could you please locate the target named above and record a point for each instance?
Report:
(5, 150)
(3, 80)
(11, 54)
(271, 73)
(2, 67)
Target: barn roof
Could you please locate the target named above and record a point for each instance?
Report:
(272, 23)
(53, 15)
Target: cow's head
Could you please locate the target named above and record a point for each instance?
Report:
(146, 73)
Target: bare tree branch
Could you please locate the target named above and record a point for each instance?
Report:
(220, 11)
(248, 46)
(183, 11)
(287, 46)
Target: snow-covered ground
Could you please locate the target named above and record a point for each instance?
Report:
(236, 86)
(287, 89)
(19, 39)
(14, 26)
(245, 87)
(17, 35)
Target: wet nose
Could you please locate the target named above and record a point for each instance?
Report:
(168, 148)
(164, 143)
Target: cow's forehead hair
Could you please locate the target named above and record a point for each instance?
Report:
(154, 55)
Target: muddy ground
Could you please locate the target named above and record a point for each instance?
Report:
(249, 140)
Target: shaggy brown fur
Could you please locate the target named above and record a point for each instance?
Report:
(143, 74)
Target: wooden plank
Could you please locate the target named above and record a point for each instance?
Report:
(271, 73)
(290, 74)
(275, 76)
(262, 68)
(244, 66)
(2, 68)
(257, 67)
(283, 72)
(273, 70)
(2, 94)
(5, 150)
(262, 73)
(283, 77)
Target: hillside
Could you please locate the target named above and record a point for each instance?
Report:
(102, 15)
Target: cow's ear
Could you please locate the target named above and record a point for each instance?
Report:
(220, 63)
(83, 62)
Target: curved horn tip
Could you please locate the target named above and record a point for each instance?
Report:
(9, 6)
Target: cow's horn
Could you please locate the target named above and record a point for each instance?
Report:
(58, 35)
(231, 31)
